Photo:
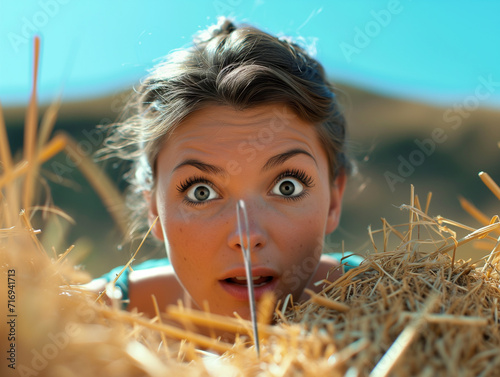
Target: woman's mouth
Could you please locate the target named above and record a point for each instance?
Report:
(258, 281)
(237, 285)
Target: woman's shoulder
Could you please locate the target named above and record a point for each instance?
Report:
(158, 281)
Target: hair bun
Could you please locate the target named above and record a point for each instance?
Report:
(223, 26)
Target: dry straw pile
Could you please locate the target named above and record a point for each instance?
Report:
(407, 310)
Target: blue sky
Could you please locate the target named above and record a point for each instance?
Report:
(436, 52)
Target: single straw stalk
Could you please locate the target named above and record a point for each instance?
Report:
(32, 232)
(490, 183)
(326, 302)
(30, 130)
(474, 211)
(158, 315)
(6, 163)
(410, 223)
(450, 319)
(48, 123)
(6, 167)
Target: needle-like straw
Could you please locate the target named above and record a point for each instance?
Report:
(241, 209)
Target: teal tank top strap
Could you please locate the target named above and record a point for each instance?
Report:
(122, 282)
(349, 259)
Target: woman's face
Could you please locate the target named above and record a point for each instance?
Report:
(271, 159)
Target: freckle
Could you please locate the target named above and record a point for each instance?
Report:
(185, 259)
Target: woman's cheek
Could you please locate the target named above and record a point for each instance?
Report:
(307, 246)
(188, 239)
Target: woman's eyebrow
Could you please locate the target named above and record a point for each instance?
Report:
(274, 161)
(207, 168)
(280, 159)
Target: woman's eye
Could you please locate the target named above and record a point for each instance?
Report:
(201, 193)
(288, 187)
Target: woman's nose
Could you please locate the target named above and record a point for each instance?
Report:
(256, 228)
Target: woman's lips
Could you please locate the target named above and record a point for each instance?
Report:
(234, 282)
(240, 291)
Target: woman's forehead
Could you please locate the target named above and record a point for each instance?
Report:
(272, 115)
(217, 130)
(263, 123)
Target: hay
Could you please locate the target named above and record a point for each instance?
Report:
(408, 310)
(419, 311)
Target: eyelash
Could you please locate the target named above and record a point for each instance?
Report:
(186, 184)
(301, 175)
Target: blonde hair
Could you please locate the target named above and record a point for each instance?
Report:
(241, 67)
